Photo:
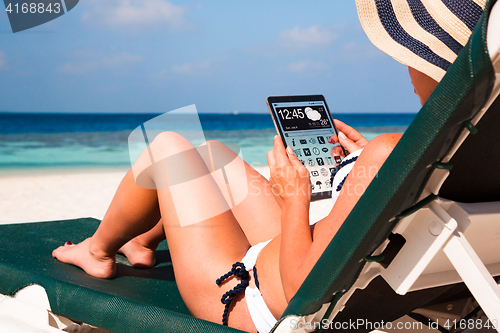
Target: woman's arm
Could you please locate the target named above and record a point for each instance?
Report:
(291, 187)
(299, 249)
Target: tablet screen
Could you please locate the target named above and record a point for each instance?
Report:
(304, 123)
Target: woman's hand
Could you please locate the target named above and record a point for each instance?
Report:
(289, 180)
(348, 138)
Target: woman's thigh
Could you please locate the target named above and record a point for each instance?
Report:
(255, 208)
(247, 193)
(204, 234)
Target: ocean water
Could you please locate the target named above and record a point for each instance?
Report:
(33, 140)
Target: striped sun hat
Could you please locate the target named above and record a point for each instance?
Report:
(424, 34)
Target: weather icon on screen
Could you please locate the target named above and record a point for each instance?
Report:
(312, 114)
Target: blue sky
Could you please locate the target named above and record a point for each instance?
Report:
(223, 56)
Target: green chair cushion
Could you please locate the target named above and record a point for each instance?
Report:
(136, 300)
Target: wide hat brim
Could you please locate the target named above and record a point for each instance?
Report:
(424, 34)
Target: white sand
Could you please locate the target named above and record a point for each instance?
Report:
(54, 195)
(47, 195)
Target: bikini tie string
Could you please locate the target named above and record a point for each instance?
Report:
(337, 169)
(239, 271)
(255, 277)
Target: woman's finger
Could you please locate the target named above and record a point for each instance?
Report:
(334, 139)
(348, 144)
(337, 153)
(280, 153)
(295, 161)
(351, 133)
(271, 160)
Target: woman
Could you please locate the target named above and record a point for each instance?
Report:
(269, 230)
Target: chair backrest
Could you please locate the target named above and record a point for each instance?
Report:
(460, 95)
(474, 177)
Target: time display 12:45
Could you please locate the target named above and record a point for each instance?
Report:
(288, 114)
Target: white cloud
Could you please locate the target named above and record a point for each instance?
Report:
(312, 114)
(301, 39)
(137, 15)
(191, 68)
(85, 62)
(3, 59)
(356, 52)
(306, 65)
(298, 40)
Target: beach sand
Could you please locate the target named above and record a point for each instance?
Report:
(57, 194)
(47, 195)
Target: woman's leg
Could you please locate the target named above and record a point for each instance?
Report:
(201, 251)
(133, 211)
(257, 227)
(140, 251)
(258, 214)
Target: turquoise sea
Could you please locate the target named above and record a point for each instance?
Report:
(68, 140)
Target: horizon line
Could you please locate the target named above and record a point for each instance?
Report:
(159, 113)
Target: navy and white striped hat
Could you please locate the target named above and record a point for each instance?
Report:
(424, 34)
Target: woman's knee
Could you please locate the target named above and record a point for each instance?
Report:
(167, 148)
(227, 149)
(219, 155)
(168, 143)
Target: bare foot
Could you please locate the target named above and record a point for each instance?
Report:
(140, 256)
(81, 256)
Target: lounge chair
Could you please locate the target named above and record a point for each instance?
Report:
(437, 194)
(399, 231)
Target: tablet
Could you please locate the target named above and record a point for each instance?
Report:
(305, 124)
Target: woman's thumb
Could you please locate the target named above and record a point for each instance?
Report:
(347, 143)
